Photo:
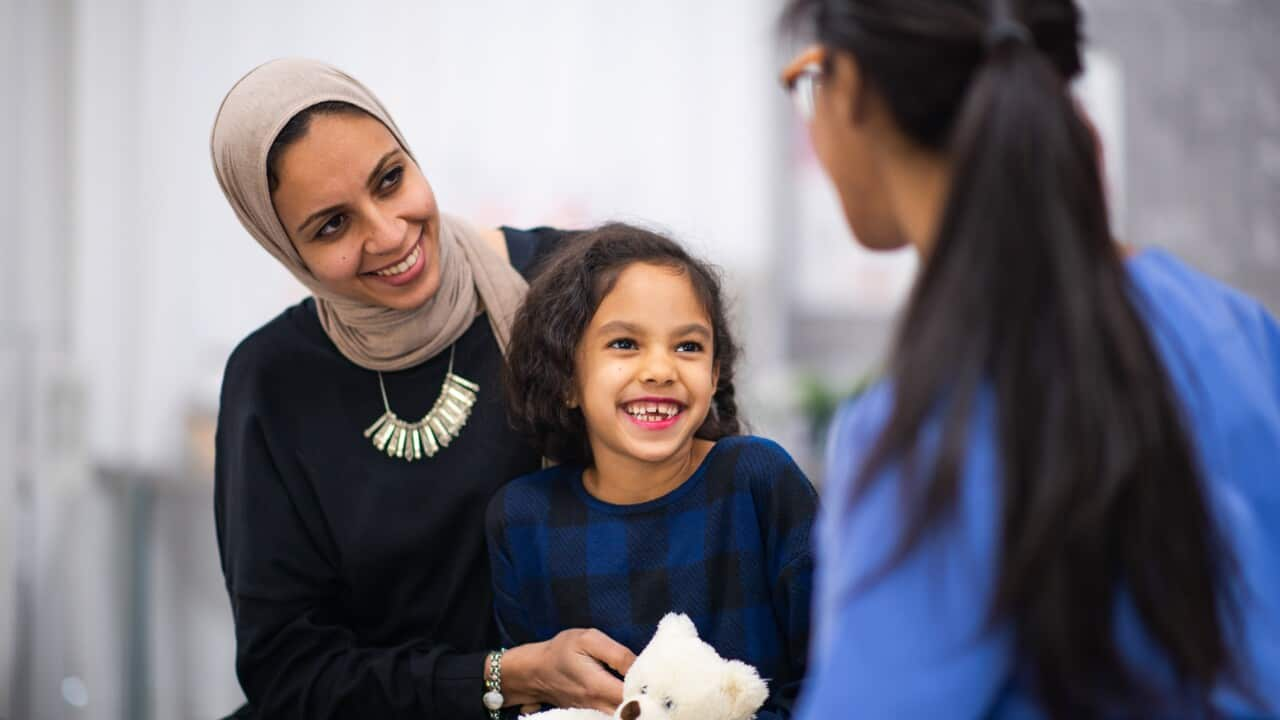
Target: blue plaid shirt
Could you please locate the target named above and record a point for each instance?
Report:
(730, 548)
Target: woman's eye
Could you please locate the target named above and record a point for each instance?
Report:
(333, 225)
(690, 346)
(391, 179)
(668, 703)
(623, 344)
(644, 689)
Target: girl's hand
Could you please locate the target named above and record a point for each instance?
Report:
(567, 671)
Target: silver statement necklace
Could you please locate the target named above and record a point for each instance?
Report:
(410, 441)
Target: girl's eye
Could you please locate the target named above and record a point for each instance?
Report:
(332, 226)
(623, 344)
(644, 689)
(668, 703)
(690, 346)
(392, 178)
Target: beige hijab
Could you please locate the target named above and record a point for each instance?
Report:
(473, 277)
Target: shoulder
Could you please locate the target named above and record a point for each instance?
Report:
(859, 423)
(855, 428)
(766, 468)
(1180, 298)
(754, 455)
(1206, 329)
(529, 498)
(273, 350)
(528, 248)
(497, 240)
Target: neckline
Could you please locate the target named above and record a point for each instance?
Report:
(694, 480)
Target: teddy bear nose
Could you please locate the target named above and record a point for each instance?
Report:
(631, 710)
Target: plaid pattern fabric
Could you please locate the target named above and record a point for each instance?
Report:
(730, 547)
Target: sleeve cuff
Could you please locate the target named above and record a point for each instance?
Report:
(457, 686)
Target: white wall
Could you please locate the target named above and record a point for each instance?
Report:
(55, 588)
(9, 367)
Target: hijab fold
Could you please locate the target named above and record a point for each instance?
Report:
(474, 277)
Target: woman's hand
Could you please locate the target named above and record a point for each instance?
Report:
(567, 671)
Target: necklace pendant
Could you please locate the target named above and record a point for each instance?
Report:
(440, 426)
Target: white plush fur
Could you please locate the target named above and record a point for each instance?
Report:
(680, 677)
(567, 714)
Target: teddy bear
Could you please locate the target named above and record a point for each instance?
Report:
(679, 677)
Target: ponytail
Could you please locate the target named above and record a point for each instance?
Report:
(1025, 299)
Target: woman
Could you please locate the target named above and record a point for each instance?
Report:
(1062, 501)
(352, 541)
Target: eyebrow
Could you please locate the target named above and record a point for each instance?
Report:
(626, 327)
(373, 177)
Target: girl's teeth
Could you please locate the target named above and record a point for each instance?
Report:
(402, 265)
(652, 412)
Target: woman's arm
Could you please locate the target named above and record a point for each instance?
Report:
(911, 640)
(527, 249)
(295, 657)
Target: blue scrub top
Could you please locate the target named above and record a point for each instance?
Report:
(914, 644)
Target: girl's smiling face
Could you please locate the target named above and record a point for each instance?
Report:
(643, 372)
(359, 212)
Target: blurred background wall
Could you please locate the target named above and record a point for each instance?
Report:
(129, 281)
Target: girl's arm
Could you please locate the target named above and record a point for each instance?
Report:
(786, 504)
(569, 670)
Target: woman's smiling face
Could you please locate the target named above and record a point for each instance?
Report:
(359, 212)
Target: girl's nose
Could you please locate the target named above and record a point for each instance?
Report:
(658, 368)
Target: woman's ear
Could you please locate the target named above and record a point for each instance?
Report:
(845, 86)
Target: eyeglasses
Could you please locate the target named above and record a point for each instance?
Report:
(801, 78)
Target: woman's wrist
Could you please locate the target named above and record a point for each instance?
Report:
(520, 682)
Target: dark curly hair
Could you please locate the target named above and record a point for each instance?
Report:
(539, 372)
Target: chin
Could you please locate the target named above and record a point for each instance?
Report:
(880, 245)
(872, 227)
(875, 236)
(417, 294)
(430, 286)
(656, 452)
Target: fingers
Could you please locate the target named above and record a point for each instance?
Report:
(579, 660)
(604, 691)
(608, 651)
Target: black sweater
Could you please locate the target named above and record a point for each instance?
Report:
(359, 583)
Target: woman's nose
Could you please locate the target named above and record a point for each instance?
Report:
(386, 234)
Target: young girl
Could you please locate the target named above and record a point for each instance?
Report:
(621, 369)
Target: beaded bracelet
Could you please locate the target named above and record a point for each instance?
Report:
(493, 700)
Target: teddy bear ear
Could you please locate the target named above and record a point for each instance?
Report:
(676, 625)
(744, 690)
